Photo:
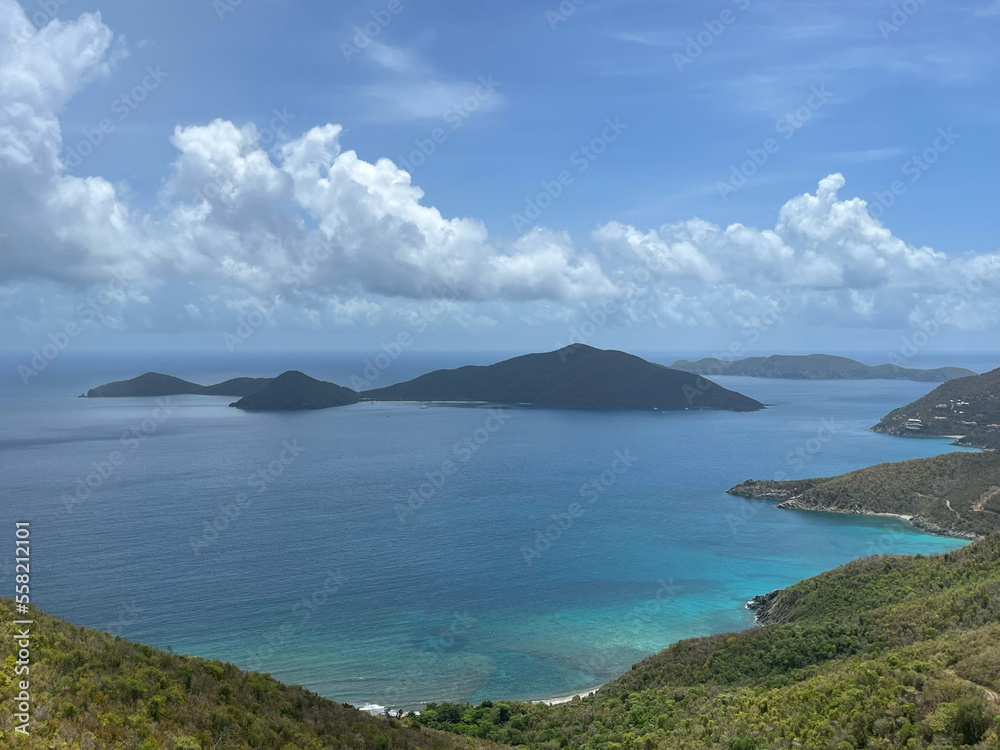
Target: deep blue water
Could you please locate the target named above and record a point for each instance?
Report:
(327, 578)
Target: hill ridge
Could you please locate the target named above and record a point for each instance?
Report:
(966, 408)
(816, 367)
(574, 376)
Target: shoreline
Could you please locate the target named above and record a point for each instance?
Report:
(916, 522)
(567, 698)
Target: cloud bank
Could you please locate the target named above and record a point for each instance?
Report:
(332, 240)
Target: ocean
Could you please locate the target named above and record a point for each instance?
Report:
(394, 555)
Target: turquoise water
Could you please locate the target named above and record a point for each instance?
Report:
(328, 578)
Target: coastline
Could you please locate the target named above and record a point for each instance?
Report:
(567, 698)
(915, 521)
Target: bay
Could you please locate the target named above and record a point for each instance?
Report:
(401, 555)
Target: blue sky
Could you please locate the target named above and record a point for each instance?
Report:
(868, 92)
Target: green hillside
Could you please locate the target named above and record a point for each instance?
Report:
(885, 652)
(575, 376)
(816, 367)
(957, 494)
(156, 384)
(293, 390)
(969, 407)
(91, 690)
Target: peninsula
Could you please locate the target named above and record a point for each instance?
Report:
(967, 409)
(954, 494)
(576, 376)
(816, 367)
(156, 384)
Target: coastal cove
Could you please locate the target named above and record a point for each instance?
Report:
(330, 578)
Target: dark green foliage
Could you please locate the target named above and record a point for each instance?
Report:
(957, 493)
(293, 391)
(816, 367)
(966, 406)
(576, 376)
(155, 384)
(969, 721)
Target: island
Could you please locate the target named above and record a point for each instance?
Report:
(296, 391)
(156, 384)
(575, 376)
(967, 409)
(816, 367)
(954, 494)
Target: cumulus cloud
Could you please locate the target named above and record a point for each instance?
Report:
(234, 213)
(327, 238)
(844, 265)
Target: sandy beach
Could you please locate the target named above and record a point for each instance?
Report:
(568, 698)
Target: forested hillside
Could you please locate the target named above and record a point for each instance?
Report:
(957, 494)
(966, 407)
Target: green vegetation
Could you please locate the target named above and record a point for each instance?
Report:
(817, 367)
(156, 384)
(885, 652)
(957, 494)
(294, 390)
(575, 376)
(969, 407)
(91, 690)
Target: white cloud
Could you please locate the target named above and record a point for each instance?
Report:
(345, 242)
(841, 262)
(411, 89)
(233, 215)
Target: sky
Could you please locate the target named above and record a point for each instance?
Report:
(744, 176)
